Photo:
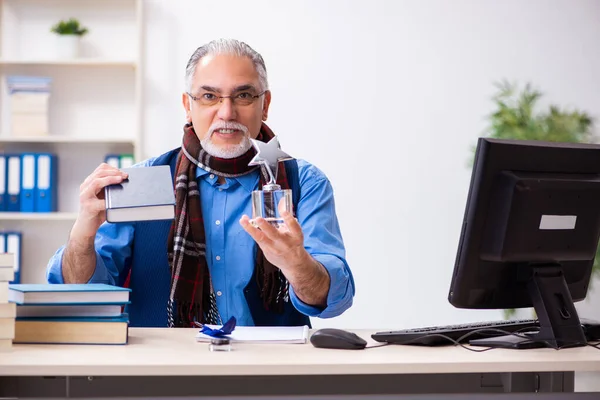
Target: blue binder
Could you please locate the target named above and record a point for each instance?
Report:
(13, 182)
(28, 177)
(13, 245)
(46, 187)
(112, 160)
(3, 184)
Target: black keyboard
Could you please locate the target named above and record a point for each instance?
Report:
(430, 336)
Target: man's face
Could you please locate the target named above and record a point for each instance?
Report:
(225, 126)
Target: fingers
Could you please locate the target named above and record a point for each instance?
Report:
(257, 234)
(266, 234)
(99, 184)
(292, 223)
(286, 234)
(103, 170)
(91, 196)
(268, 229)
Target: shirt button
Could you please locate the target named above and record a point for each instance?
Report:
(220, 189)
(219, 293)
(218, 222)
(212, 176)
(218, 258)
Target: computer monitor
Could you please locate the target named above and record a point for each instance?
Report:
(529, 236)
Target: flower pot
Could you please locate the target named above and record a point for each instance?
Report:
(67, 46)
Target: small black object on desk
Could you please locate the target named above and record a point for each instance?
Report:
(331, 338)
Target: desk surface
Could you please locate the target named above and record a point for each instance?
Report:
(170, 352)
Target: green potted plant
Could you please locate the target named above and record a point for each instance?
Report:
(69, 33)
(515, 117)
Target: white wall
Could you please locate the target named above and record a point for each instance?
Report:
(386, 97)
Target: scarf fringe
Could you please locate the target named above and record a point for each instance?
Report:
(273, 286)
(183, 313)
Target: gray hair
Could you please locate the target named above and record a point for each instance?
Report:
(226, 46)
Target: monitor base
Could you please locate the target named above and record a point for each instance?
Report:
(559, 324)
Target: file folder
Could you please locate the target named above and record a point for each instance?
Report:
(28, 182)
(46, 188)
(3, 195)
(112, 160)
(13, 180)
(126, 161)
(13, 245)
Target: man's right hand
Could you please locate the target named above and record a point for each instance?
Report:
(92, 203)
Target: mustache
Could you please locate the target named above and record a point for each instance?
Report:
(227, 125)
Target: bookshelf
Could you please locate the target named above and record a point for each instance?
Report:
(65, 139)
(76, 63)
(95, 105)
(36, 216)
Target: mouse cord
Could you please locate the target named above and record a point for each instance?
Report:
(377, 345)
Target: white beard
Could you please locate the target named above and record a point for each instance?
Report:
(229, 151)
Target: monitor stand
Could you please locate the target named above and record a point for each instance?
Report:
(559, 324)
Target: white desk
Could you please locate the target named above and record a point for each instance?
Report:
(169, 362)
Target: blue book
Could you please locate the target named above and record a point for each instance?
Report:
(147, 194)
(84, 293)
(122, 317)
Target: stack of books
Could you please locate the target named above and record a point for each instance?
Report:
(70, 313)
(7, 309)
(29, 104)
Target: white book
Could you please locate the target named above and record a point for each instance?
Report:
(7, 260)
(262, 334)
(7, 328)
(8, 310)
(7, 274)
(3, 292)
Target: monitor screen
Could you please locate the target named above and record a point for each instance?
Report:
(530, 234)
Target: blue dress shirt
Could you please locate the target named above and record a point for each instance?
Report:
(229, 247)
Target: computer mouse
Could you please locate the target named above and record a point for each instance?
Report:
(331, 338)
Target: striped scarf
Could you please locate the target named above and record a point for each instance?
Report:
(191, 296)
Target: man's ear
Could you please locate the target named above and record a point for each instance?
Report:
(266, 103)
(187, 106)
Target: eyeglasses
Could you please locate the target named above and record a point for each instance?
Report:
(238, 99)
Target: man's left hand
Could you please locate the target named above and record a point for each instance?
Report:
(282, 246)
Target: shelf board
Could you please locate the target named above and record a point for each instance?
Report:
(84, 62)
(64, 139)
(37, 216)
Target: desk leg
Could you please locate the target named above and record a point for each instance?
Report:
(289, 387)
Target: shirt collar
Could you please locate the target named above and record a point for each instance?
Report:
(248, 181)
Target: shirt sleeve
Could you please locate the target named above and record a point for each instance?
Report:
(113, 255)
(323, 241)
(113, 251)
